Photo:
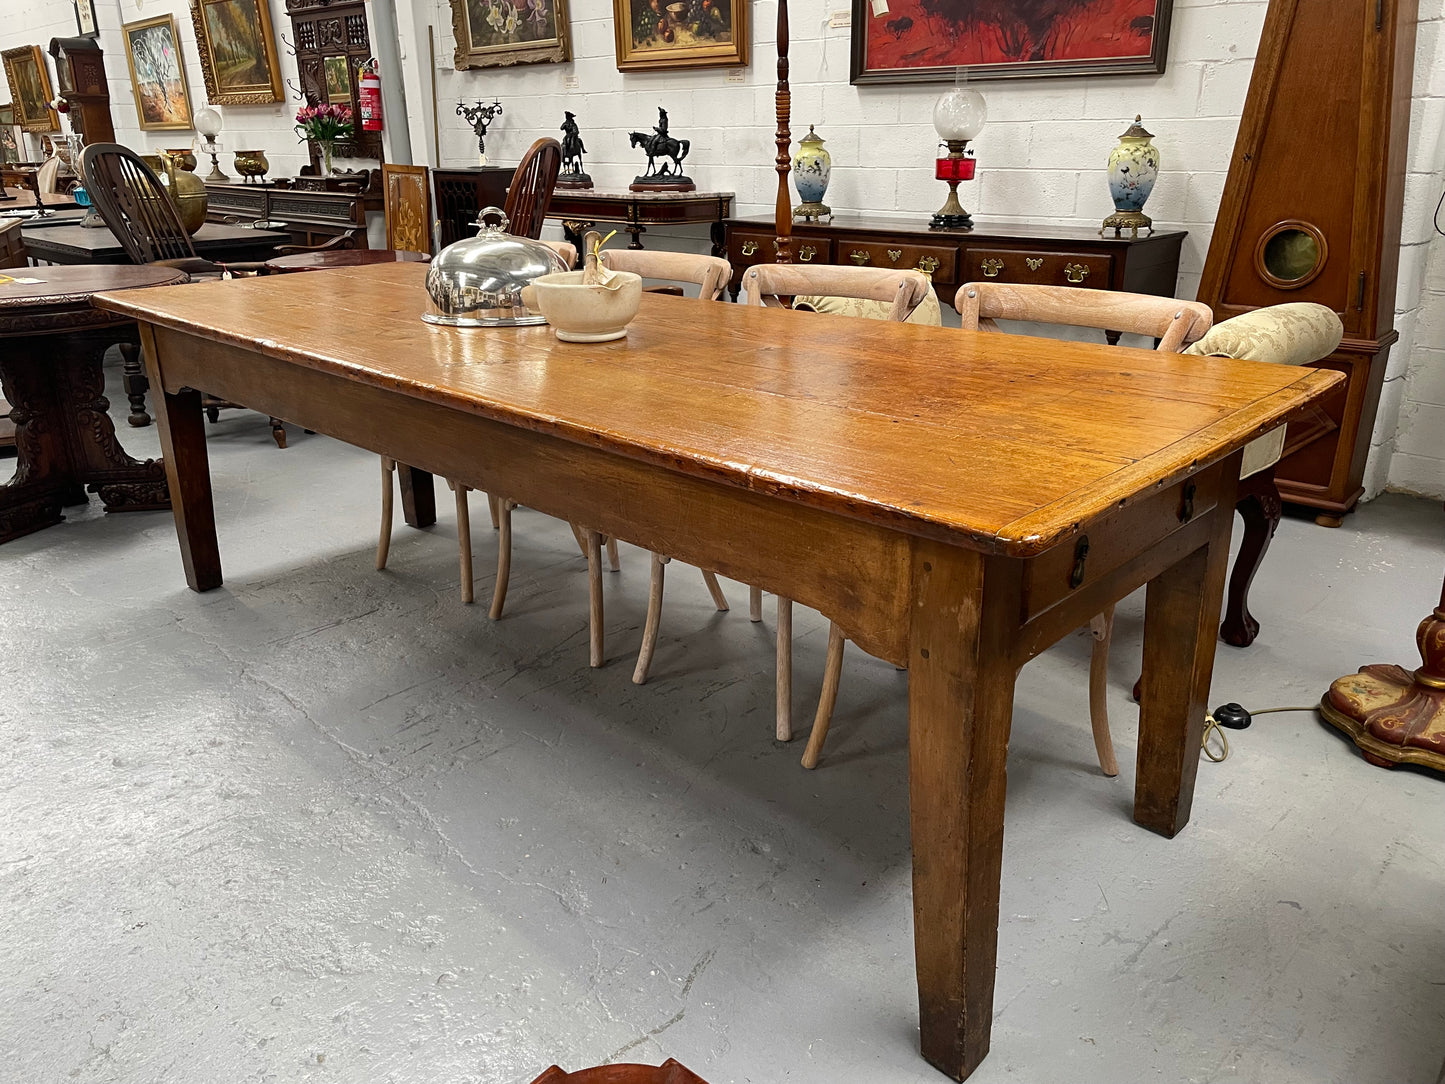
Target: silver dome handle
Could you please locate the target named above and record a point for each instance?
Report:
(500, 227)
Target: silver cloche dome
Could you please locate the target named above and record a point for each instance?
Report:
(478, 281)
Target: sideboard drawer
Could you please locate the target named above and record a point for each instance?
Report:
(746, 249)
(1087, 269)
(937, 260)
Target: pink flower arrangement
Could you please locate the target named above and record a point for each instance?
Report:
(324, 123)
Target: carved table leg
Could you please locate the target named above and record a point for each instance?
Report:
(719, 239)
(1259, 505)
(418, 496)
(136, 384)
(1394, 716)
(1113, 337)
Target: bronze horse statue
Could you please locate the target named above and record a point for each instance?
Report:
(661, 146)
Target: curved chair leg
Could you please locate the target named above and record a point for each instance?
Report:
(581, 537)
(464, 538)
(594, 597)
(383, 545)
(785, 669)
(612, 559)
(1102, 628)
(755, 603)
(504, 558)
(832, 675)
(719, 599)
(494, 507)
(654, 619)
(1260, 507)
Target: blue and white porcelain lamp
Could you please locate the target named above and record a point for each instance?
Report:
(1133, 169)
(812, 166)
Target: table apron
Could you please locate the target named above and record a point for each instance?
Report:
(856, 573)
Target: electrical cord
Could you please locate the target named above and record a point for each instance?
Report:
(1436, 219)
(1234, 717)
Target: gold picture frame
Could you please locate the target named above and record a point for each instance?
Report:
(667, 35)
(500, 33)
(238, 51)
(336, 74)
(29, 79)
(157, 74)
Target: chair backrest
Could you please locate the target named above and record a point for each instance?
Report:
(531, 189)
(134, 204)
(48, 173)
(408, 207)
(565, 249)
(1174, 323)
(904, 289)
(12, 245)
(709, 273)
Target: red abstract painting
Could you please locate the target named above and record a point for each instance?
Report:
(929, 39)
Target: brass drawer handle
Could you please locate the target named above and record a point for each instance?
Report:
(928, 264)
(1076, 272)
(807, 253)
(860, 256)
(990, 268)
(1034, 262)
(749, 247)
(895, 254)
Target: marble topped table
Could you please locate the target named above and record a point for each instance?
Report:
(580, 209)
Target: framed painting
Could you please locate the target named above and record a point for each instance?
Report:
(664, 35)
(238, 51)
(927, 41)
(85, 18)
(337, 74)
(499, 33)
(11, 137)
(152, 49)
(30, 91)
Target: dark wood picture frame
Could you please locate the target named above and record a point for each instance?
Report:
(85, 18)
(634, 56)
(545, 50)
(971, 50)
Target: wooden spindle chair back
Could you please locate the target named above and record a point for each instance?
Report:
(531, 188)
(134, 204)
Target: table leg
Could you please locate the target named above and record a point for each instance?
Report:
(418, 496)
(133, 380)
(1260, 507)
(188, 470)
(960, 703)
(1181, 609)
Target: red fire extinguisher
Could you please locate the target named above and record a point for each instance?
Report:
(370, 97)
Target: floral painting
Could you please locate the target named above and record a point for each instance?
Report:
(928, 40)
(156, 74)
(496, 33)
(669, 34)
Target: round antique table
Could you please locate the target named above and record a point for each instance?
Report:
(51, 345)
(344, 257)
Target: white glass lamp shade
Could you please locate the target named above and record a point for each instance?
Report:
(208, 122)
(960, 114)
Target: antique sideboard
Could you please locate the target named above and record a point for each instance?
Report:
(310, 211)
(1003, 251)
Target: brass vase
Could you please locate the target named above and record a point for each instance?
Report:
(185, 189)
(252, 165)
(184, 156)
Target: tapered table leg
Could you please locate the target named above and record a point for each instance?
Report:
(960, 701)
(1180, 610)
(188, 470)
(418, 496)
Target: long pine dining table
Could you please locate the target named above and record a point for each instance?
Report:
(955, 501)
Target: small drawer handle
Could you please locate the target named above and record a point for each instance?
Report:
(990, 268)
(1081, 558)
(1034, 262)
(749, 247)
(895, 254)
(928, 264)
(1076, 272)
(860, 256)
(806, 253)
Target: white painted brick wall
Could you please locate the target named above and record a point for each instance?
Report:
(1041, 157)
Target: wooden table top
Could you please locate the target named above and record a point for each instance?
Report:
(1000, 442)
(346, 257)
(26, 198)
(102, 242)
(65, 292)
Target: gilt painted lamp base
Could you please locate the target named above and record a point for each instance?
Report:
(1391, 716)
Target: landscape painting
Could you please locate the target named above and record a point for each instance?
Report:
(238, 51)
(929, 40)
(498, 33)
(156, 74)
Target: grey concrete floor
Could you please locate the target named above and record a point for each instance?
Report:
(330, 824)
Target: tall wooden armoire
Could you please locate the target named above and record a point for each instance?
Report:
(80, 71)
(1311, 212)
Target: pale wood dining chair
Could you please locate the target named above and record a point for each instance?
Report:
(1173, 323)
(774, 285)
(710, 274)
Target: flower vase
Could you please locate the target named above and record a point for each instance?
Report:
(327, 147)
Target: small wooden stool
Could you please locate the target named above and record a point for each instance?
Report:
(669, 1072)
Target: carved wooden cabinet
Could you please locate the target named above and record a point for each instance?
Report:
(80, 71)
(313, 217)
(1312, 210)
(1003, 251)
(463, 191)
(332, 42)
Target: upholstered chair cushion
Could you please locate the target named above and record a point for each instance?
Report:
(927, 312)
(1294, 334)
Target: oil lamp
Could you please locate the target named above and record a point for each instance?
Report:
(958, 117)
